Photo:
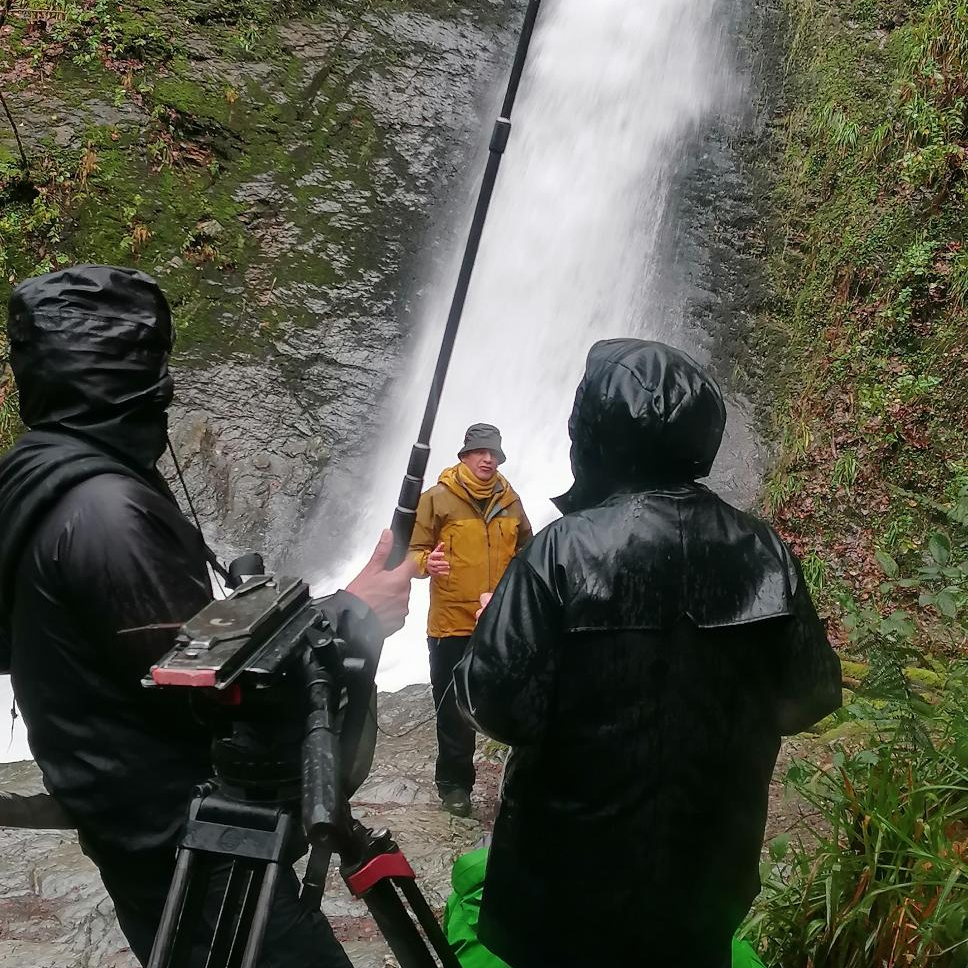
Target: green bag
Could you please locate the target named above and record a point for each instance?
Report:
(464, 908)
(744, 956)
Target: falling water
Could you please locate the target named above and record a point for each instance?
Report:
(616, 95)
(614, 102)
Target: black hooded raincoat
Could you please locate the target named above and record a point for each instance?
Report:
(94, 552)
(642, 656)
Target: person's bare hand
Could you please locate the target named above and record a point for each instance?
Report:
(437, 563)
(485, 598)
(386, 592)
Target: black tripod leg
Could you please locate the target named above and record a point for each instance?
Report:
(230, 916)
(314, 883)
(165, 936)
(405, 941)
(230, 854)
(260, 917)
(429, 923)
(182, 907)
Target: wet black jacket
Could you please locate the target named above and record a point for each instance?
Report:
(643, 656)
(93, 546)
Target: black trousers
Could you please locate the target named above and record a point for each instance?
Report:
(295, 938)
(455, 737)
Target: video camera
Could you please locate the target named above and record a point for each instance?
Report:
(292, 708)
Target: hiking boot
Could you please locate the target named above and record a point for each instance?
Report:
(457, 802)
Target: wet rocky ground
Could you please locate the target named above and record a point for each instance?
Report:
(54, 913)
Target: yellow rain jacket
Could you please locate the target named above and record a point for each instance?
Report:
(479, 543)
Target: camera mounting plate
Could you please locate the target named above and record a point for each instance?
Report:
(246, 632)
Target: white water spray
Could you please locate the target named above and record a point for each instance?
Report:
(614, 93)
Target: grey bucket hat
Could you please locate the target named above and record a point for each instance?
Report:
(483, 437)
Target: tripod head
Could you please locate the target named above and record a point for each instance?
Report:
(288, 702)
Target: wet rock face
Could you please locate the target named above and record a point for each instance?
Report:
(54, 912)
(284, 189)
(713, 263)
(380, 113)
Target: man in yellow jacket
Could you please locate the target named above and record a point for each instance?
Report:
(469, 527)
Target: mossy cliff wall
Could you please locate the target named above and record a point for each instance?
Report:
(278, 167)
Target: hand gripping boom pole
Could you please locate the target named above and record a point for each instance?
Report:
(405, 515)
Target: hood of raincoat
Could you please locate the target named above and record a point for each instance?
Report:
(645, 415)
(89, 350)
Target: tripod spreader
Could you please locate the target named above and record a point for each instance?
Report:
(383, 879)
(255, 839)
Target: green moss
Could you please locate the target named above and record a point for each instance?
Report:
(923, 679)
(200, 100)
(855, 733)
(171, 120)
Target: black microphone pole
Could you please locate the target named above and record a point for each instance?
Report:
(405, 516)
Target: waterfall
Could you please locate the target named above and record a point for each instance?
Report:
(615, 98)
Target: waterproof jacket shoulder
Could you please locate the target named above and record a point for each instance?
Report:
(480, 538)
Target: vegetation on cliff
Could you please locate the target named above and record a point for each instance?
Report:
(871, 273)
(119, 160)
(870, 268)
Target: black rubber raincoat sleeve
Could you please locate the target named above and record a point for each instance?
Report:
(128, 561)
(37, 811)
(506, 681)
(808, 676)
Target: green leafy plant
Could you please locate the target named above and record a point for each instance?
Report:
(959, 278)
(942, 578)
(845, 470)
(10, 426)
(881, 878)
(833, 123)
(815, 572)
(780, 488)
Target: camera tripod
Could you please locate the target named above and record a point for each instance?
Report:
(288, 702)
(257, 839)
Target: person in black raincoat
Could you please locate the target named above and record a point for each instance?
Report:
(643, 657)
(93, 546)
